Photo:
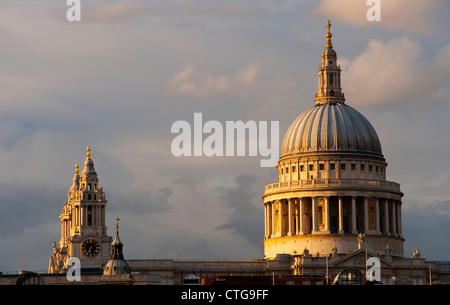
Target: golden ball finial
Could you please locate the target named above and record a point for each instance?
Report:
(329, 35)
(77, 172)
(88, 156)
(117, 223)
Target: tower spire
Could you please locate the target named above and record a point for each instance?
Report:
(76, 179)
(88, 163)
(117, 244)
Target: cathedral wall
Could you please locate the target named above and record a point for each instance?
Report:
(324, 244)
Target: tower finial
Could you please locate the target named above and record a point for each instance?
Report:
(77, 172)
(117, 224)
(329, 35)
(88, 155)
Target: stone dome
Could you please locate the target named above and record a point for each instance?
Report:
(329, 52)
(116, 266)
(331, 128)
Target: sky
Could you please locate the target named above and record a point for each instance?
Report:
(118, 79)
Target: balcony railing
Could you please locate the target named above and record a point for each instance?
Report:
(332, 183)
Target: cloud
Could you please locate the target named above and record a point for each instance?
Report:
(192, 82)
(195, 83)
(118, 10)
(114, 10)
(22, 199)
(256, 85)
(28, 223)
(183, 247)
(142, 201)
(246, 219)
(417, 16)
(422, 226)
(393, 72)
(249, 74)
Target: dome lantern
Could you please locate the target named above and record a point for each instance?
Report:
(329, 75)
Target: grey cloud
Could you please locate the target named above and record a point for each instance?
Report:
(27, 206)
(118, 10)
(246, 219)
(424, 227)
(184, 248)
(139, 201)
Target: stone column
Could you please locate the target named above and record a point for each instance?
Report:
(366, 215)
(377, 210)
(394, 216)
(103, 216)
(99, 215)
(291, 229)
(273, 217)
(265, 221)
(300, 216)
(281, 215)
(327, 213)
(399, 218)
(82, 211)
(386, 217)
(341, 216)
(314, 215)
(63, 235)
(269, 219)
(94, 215)
(354, 230)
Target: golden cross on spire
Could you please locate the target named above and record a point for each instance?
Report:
(329, 35)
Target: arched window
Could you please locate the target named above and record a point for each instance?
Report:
(349, 276)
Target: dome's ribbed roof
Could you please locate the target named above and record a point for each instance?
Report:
(331, 128)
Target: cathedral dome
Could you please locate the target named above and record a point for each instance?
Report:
(331, 128)
(332, 195)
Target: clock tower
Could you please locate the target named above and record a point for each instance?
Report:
(83, 229)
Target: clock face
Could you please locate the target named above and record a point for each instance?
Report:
(90, 248)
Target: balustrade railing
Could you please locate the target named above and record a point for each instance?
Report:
(333, 183)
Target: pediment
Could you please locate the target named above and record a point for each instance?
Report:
(357, 259)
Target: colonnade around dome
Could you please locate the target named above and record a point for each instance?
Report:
(331, 216)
